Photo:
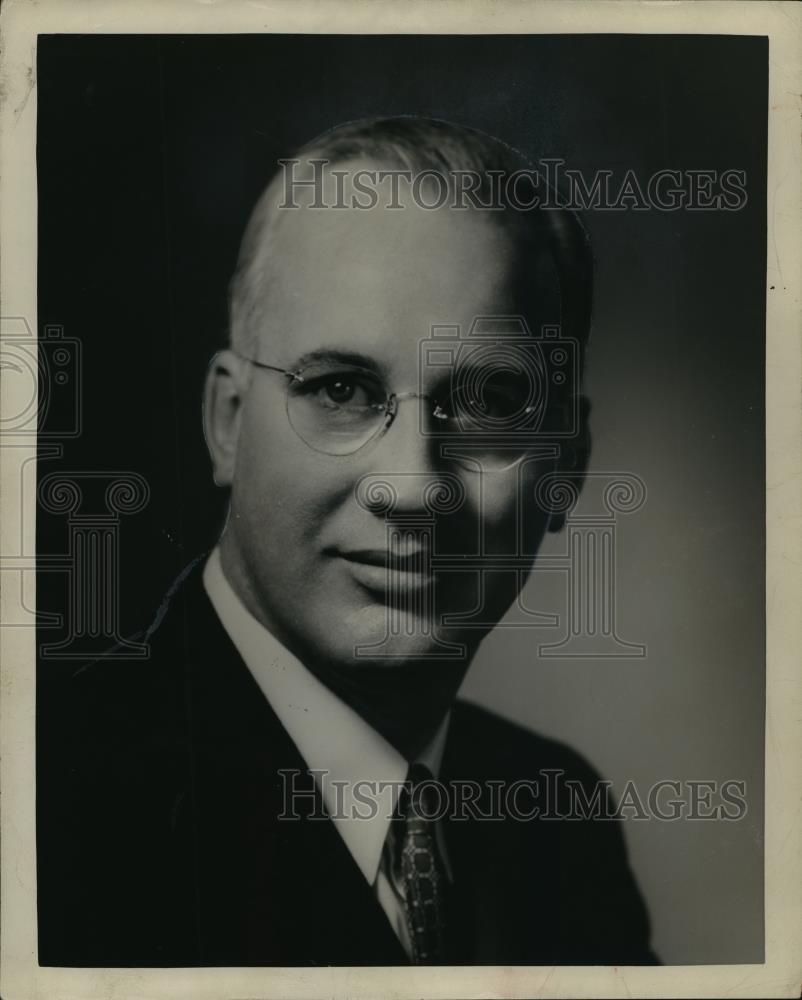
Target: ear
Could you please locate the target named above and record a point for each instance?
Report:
(574, 458)
(224, 395)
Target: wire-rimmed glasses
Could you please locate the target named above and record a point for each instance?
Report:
(339, 409)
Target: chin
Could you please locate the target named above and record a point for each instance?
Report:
(386, 638)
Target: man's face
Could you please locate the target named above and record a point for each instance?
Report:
(304, 553)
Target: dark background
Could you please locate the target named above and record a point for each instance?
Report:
(151, 152)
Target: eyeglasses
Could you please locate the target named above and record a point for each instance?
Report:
(338, 409)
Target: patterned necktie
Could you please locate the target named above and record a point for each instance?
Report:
(421, 869)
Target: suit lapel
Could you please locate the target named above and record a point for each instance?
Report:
(285, 891)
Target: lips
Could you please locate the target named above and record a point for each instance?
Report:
(385, 572)
(407, 561)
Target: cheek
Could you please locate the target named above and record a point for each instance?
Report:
(508, 513)
(281, 486)
(497, 506)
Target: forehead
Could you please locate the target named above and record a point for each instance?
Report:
(375, 281)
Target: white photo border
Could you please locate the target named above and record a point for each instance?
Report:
(781, 22)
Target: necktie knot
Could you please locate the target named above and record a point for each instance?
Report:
(420, 800)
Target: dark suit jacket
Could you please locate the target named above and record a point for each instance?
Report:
(158, 840)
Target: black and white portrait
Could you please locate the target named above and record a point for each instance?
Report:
(399, 470)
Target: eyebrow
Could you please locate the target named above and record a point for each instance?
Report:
(339, 356)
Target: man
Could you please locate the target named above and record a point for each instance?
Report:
(382, 417)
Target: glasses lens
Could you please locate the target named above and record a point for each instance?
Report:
(336, 409)
(499, 389)
(496, 406)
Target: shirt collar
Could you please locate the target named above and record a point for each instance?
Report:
(335, 742)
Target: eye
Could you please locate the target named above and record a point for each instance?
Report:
(497, 390)
(340, 390)
(349, 390)
(490, 398)
(498, 400)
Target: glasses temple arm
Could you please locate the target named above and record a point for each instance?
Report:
(295, 375)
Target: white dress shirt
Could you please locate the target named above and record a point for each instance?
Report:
(331, 737)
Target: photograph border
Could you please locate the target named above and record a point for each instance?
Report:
(781, 974)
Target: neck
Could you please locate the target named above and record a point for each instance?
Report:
(404, 703)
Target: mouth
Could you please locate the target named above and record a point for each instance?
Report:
(385, 572)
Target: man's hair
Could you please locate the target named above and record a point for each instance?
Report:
(420, 145)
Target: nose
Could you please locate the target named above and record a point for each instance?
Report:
(407, 477)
